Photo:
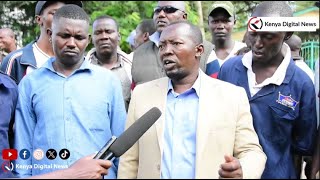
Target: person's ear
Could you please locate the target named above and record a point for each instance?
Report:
(199, 50)
(288, 35)
(49, 33)
(89, 39)
(185, 16)
(145, 36)
(38, 20)
(119, 38)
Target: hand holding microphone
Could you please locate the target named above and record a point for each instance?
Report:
(231, 168)
(115, 147)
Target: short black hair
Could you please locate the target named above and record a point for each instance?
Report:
(194, 31)
(274, 7)
(147, 25)
(107, 17)
(71, 11)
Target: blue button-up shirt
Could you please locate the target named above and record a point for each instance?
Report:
(80, 113)
(8, 100)
(179, 152)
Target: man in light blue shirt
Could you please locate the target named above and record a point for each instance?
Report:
(68, 103)
(180, 132)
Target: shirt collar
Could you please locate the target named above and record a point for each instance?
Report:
(49, 65)
(155, 37)
(195, 86)
(279, 75)
(94, 60)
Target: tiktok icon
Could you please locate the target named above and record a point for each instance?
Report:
(64, 154)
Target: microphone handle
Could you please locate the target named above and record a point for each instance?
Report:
(104, 152)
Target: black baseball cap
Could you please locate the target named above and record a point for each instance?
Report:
(41, 5)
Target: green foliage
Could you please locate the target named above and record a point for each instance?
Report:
(192, 13)
(19, 15)
(128, 14)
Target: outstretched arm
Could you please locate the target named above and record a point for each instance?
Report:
(84, 168)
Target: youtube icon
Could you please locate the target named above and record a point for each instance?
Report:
(9, 154)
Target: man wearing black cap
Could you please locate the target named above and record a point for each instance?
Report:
(221, 21)
(23, 61)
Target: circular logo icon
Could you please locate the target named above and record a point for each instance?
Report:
(64, 154)
(38, 154)
(255, 24)
(24, 154)
(51, 154)
(7, 166)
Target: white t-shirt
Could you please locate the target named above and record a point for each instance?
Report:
(41, 57)
(302, 65)
(237, 46)
(277, 77)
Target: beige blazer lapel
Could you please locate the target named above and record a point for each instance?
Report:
(208, 115)
(161, 97)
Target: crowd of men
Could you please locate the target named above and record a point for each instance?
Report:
(229, 109)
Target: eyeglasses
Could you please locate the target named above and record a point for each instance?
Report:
(166, 9)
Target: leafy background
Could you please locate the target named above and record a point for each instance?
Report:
(19, 15)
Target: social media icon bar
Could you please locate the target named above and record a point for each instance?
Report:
(7, 166)
(9, 154)
(24, 154)
(64, 154)
(38, 154)
(51, 154)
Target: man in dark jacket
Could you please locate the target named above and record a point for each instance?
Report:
(146, 64)
(23, 61)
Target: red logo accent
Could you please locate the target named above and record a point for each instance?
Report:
(9, 154)
(7, 166)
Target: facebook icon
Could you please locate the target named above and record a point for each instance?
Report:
(24, 154)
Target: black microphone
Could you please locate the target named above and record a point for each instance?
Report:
(115, 147)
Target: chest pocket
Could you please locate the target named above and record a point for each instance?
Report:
(283, 119)
(281, 112)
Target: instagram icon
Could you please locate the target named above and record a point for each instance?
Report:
(38, 154)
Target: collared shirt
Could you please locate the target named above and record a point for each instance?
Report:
(79, 112)
(155, 37)
(277, 78)
(179, 153)
(8, 100)
(122, 69)
(284, 116)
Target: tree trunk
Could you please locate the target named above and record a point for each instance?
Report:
(200, 15)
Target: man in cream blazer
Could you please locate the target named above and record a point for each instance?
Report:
(226, 144)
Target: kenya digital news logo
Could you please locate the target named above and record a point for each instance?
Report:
(255, 24)
(7, 166)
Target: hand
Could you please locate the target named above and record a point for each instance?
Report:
(231, 168)
(89, 168)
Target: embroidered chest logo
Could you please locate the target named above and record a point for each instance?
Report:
(287, 101)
